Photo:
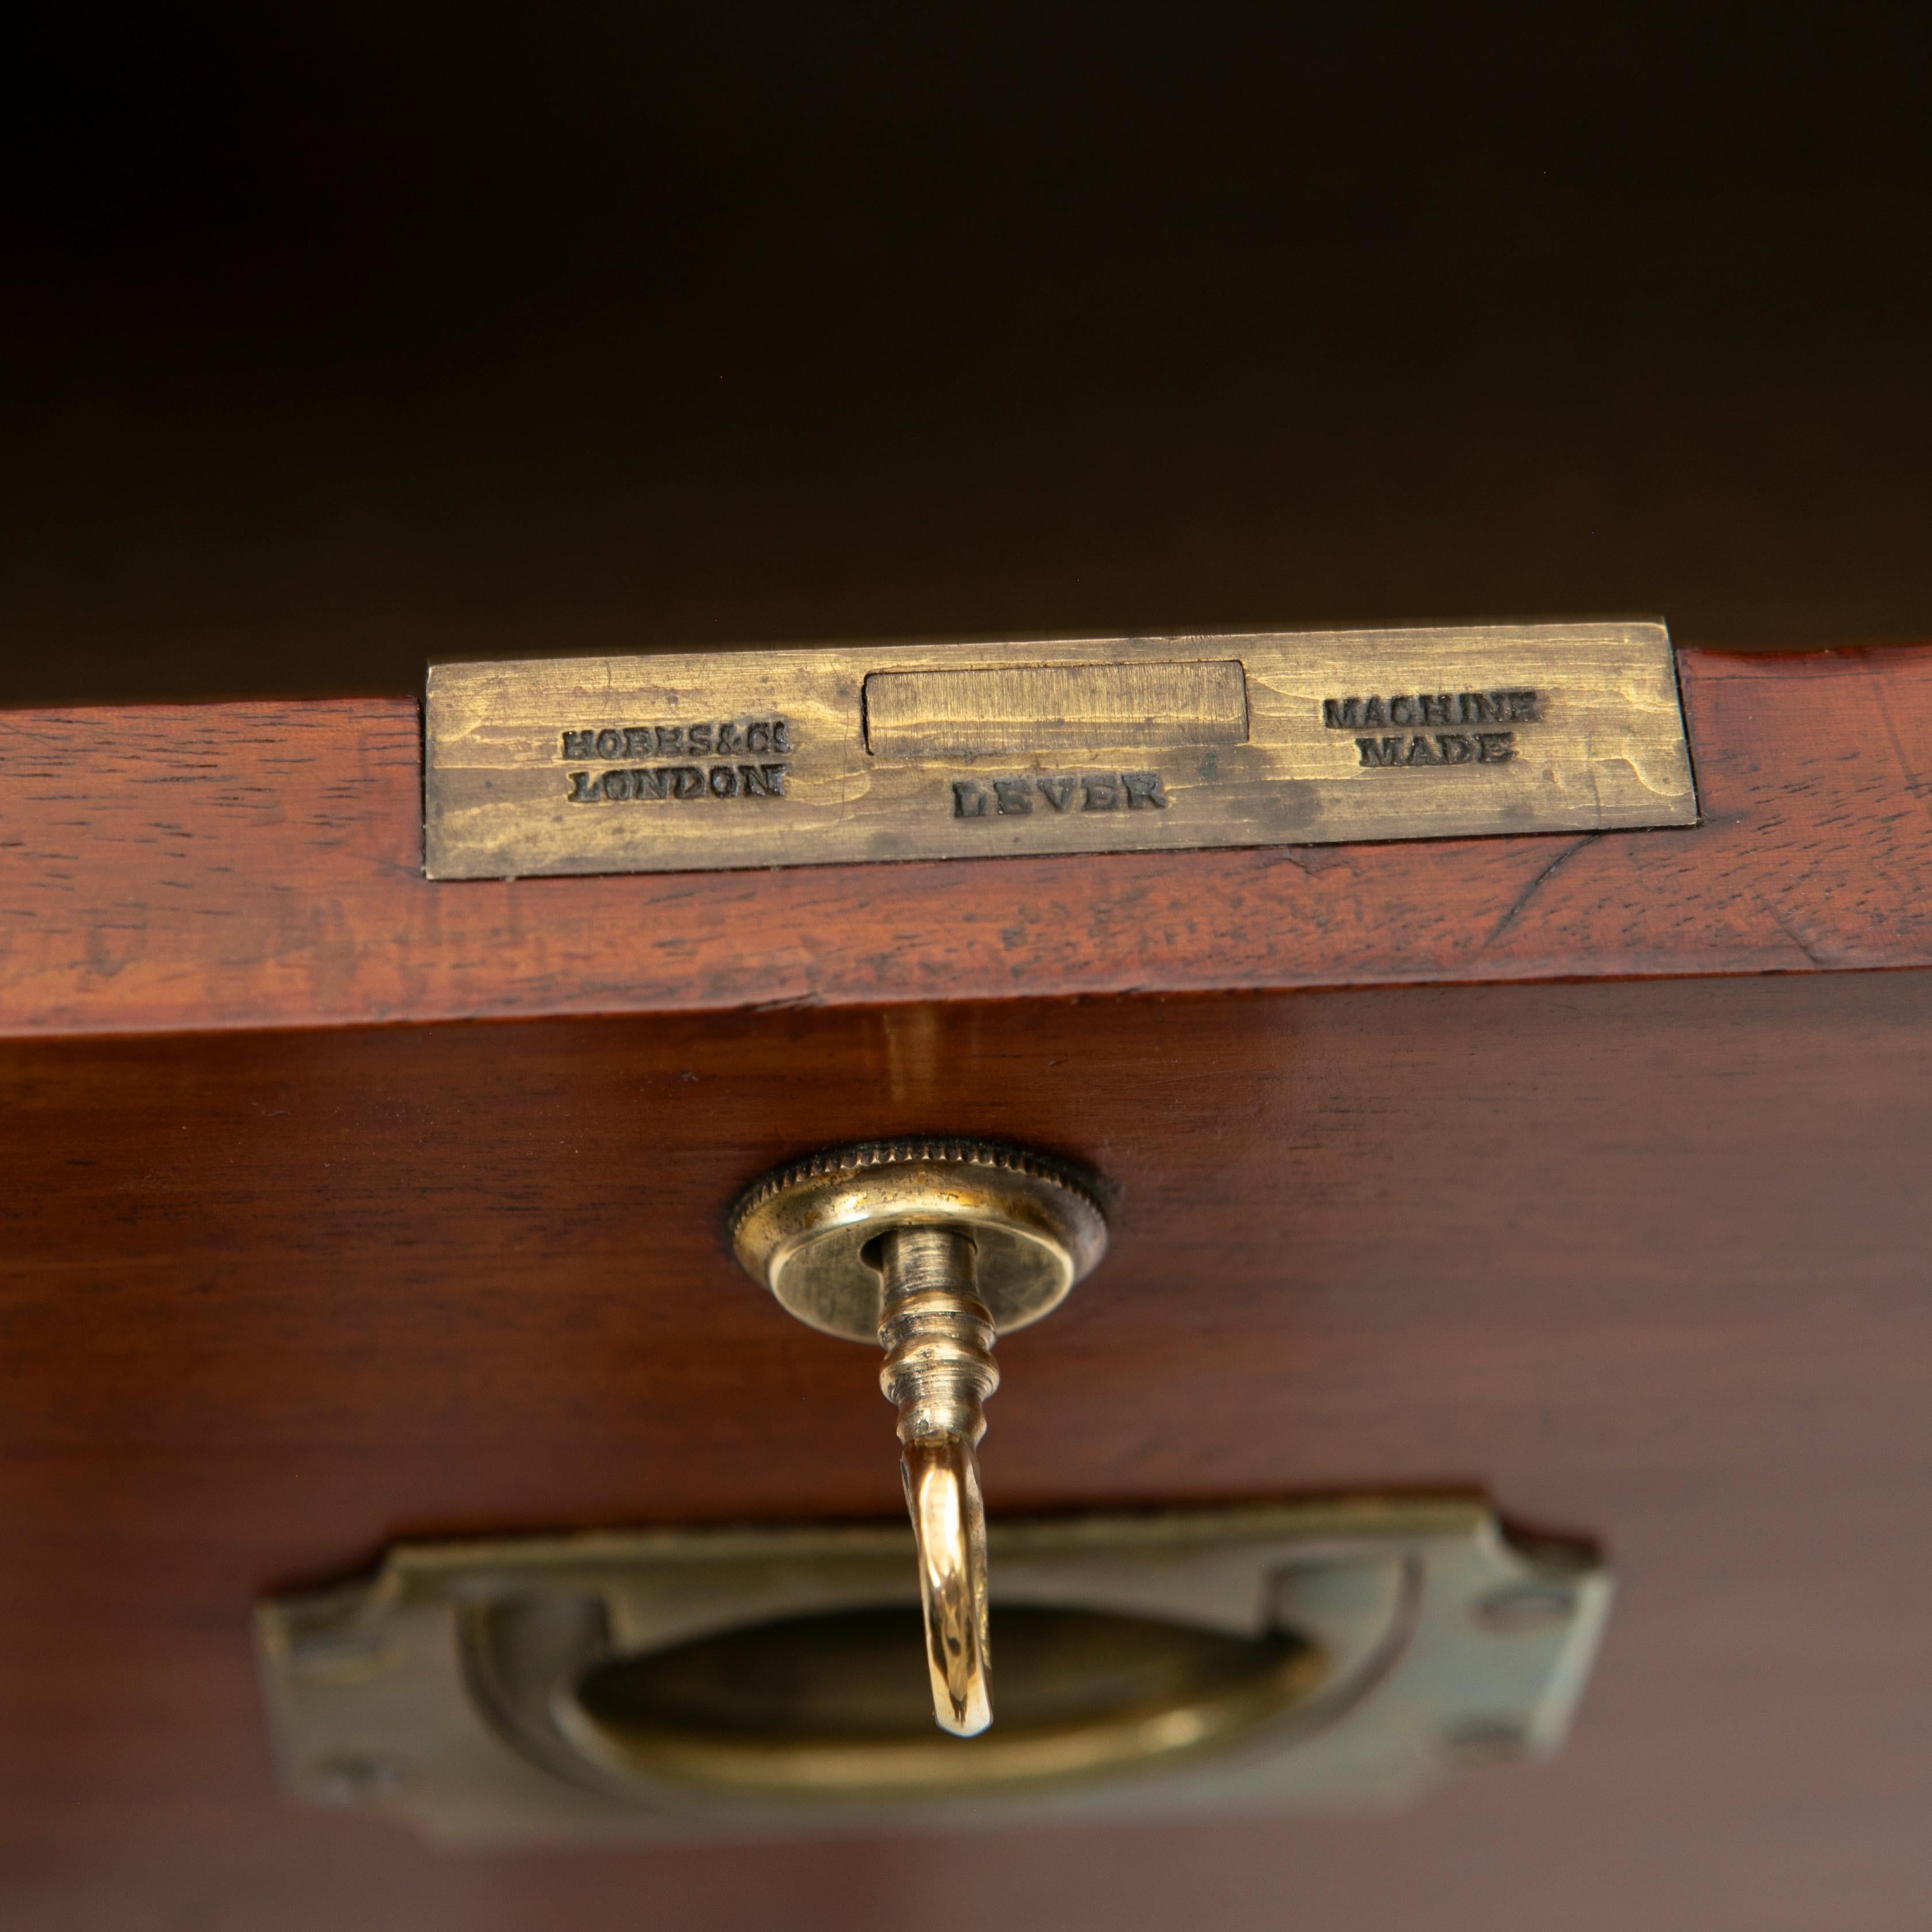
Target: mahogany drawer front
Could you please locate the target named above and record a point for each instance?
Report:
(291, 1274)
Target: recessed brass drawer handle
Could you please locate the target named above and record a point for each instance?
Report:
(935, 1246)
(646, 1683)
(673, 1682)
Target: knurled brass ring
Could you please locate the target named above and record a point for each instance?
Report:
(802, 1229)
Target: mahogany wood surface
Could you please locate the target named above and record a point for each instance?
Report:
(1647, 1259)
(260, 865)
(282, 1279)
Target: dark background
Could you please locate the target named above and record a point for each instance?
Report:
(337, 339)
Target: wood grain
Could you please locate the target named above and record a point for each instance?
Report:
(1643, 1255)
(259, 865)
(1646, 1259)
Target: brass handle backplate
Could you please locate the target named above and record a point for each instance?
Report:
(675, 1683)
(934, 1247)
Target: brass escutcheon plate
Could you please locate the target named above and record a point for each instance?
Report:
(1035, 1224)
(845, 753)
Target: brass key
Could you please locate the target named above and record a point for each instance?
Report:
(936, 1247)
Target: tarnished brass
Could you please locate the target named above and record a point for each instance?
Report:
(1131, 706)
(932, 1247)
(849, 752)
(678, 1683)
(1036, 1225)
